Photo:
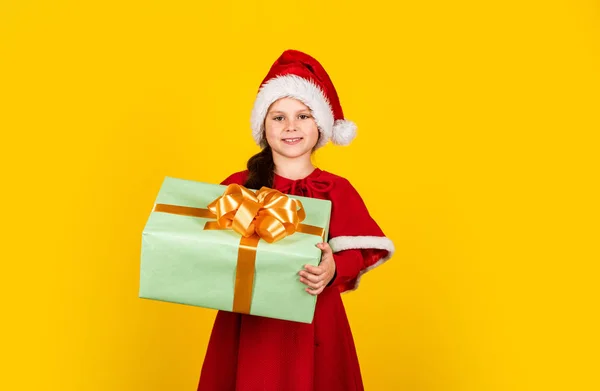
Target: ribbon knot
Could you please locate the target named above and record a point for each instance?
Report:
(267, 213)
(308, 186)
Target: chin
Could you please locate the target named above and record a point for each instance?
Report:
(293, 151)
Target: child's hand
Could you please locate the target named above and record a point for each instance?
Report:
(317, 277)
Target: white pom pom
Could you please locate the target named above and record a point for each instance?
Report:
(344, 132)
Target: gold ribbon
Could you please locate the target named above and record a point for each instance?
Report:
(267, 214)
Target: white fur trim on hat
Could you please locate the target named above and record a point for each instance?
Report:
(292, 86)
(341, 243)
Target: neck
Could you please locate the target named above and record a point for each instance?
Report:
(293, 168)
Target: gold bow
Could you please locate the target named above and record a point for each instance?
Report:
(267, 213)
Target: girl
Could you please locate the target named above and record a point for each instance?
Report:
(297, 110)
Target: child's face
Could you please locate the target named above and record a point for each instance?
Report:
(290, 128)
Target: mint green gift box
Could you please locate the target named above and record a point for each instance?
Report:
(181, 262)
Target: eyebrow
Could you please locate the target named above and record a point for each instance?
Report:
(281, 112)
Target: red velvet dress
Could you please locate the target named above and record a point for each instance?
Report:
(251, 353)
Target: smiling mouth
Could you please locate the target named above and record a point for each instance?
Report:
(292, 140)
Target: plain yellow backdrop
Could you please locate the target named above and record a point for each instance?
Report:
(477, 120)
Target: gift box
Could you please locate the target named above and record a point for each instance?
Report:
(233, 249)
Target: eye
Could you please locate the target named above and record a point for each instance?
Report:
(304, 116)
(278, 118)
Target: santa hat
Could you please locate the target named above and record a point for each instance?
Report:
(298, 75)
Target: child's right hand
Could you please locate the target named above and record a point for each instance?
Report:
(317, 277)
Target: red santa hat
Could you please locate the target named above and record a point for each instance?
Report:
(298, 75)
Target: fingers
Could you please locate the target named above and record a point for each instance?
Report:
(312, 277)
(326, 255)
(314, 281)
(317, 270)
(314, 292)
(313, 285)
(325, 247)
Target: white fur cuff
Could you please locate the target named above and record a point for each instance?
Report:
(341, 243)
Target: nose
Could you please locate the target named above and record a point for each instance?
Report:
(290, 125)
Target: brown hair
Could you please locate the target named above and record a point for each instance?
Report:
(261, 168)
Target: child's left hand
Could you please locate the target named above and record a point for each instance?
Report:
(317, 277)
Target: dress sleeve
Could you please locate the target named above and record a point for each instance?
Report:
(237, 178)
(358, 243)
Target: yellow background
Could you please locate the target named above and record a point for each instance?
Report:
(479, 119)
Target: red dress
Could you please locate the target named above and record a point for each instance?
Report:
(251, 353)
